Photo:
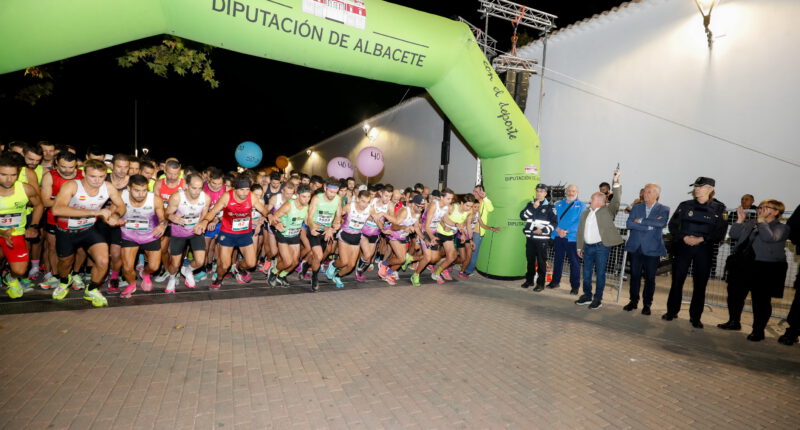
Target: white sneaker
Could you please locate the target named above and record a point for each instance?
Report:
(77, 283)
(170, 285)
(161, 278)
(188, 276)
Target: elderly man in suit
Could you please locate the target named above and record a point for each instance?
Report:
(645, 245)
(597, 234)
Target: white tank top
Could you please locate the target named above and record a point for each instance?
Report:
(82, 200)
(139, 219)
(409, 220)
(438, 214)
(189, 210)
(381, 209)
(355, 219)
(278, 202)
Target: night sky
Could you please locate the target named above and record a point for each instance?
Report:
(93, 99)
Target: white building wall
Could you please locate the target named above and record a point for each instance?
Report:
(410, 138)
(639, 86)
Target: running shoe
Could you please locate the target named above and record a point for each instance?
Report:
(338, 281)
(61, 290)
(14, 289)
(283, 282)
(95, 297)
(128, 291)
(188, 276)
(51, 282)
(215, 284)
(34, 272)
(463, 275)
(324, 267)
(147, 283)
(243, 276)
(437, 278)
(122, 283)
(360, 277)
(446, 274)
(264, 267)
(200, 276)
(430, 267)
(415, 280)
(371, 267)
(171, 285)
(26, 284)
(390, 280)
(409, 260)
(383, 271)
(113, 286)
(331, 271)
(77, 283)
(272, 279)
(160, 278)
(314, 284)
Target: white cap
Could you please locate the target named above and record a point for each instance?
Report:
(361, 187)
(108, 158)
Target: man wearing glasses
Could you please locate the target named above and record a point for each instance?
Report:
(696, 226)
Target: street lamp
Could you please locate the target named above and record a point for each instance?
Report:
(705, 7)
(145, 151)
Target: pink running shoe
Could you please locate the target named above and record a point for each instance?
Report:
(128, 291)
(360, 277)
(390, 280)
(243, 277)
(147, 282)
(463, 275)
(265, 266)
(383, 271)
(430, 267)
(446, 275)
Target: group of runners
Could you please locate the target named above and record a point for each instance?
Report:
(113, 225)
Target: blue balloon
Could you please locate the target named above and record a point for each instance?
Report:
(248, 154)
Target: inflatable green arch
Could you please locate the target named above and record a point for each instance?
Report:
(372, 39)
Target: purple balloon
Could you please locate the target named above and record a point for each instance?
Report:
(340, 168)
(370, 161)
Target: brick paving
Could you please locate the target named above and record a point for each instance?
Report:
(469, 354)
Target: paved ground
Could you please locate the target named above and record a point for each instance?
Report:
(475, 354)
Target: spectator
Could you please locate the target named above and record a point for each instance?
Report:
(638, 200)
(696, 226)
(564, 238)
(759, 266)
(540, 218)
(645, 245)
(597, 234)
(791, 334)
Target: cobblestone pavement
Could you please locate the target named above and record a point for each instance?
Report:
(469, 354)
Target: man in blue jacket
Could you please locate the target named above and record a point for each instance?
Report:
(565, 237)
(646, 245)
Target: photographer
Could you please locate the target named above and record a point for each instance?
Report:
(757, 265)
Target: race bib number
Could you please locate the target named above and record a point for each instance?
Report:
(356, 224)
(324, 219)
(240, 224)
(291, 232)
(190, 221)
(255, 215)
(137, 225)
(10, 220)
(80, 223)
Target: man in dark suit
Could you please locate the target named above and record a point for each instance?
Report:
(597, 234)
(645, 245)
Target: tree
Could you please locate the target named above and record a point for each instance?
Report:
(173, 53)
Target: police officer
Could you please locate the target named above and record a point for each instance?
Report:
(696, 226)
(540, 221)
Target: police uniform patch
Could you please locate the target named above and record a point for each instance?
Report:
(691, 213)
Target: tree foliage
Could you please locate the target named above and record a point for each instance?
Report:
(173, 54)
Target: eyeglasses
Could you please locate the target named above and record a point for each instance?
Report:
(767, 207)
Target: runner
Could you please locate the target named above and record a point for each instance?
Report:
(185, 210)
(275, 203)
(118, 178)
(288, 222)
(270, 247)
(455, 221)
(237, 208)
(165, 187)
(14, 198)
(215, 189)
(370, 234)
(141, 228)
(66, 169)
(324, 219)
(78, 205)
(358, 212)
(408, 224)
